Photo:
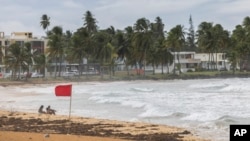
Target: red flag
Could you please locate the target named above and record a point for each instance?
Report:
(63, 90)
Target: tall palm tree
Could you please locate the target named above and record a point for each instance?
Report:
(124, 43)
(206, 41)
(45, 22)
(239, 37)
(175, 41)
(246, 25)
(56, 47)
(158, 38)
(221, 37)
(142, 41)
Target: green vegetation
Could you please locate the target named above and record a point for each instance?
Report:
(139, 45)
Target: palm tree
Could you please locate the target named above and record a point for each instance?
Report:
(79, 48)
(105, 51)
(142, 41)
(30, 53)
(164, 55)
(206, 40)
(1, 53)
(17, 59)
(246, 26)
(124, 43)
(113, 56)
(246, 23)
(175, 41)
(231, 53)
(40, 62)
(158, 39)
(239, 37)
(45, 22)
(56, 47)
(221, 37)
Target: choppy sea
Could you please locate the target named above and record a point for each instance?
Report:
(206, 107)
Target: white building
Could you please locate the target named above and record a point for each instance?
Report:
(215, 61)
(186, 60)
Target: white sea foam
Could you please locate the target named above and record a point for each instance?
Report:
(142, 89)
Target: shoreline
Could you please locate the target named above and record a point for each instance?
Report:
(185, 76)
(35, 81)
(130, 131)
(32, 124)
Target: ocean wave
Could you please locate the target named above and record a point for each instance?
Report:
(227, 118)
(202, 116)
(176, 115)
(142, 89)
(208, 85)
(118, 100)
(236, 88)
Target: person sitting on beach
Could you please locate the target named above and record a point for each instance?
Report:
(50, 111)
(40, 111)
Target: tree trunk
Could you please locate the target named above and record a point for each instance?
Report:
(127, 68)
(153, 68)
(162, 68)
(56, 68)
(60, 66)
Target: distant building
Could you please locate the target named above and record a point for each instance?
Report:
(217, 61)
(186, 60)
(20, 38)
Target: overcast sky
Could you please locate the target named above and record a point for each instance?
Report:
(24, 15)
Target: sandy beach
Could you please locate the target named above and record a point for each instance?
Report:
(18, 126)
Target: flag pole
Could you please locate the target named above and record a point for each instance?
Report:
(70, 104)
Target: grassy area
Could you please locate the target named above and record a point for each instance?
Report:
(123, 75)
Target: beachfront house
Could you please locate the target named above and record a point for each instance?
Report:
(216, 61)
(186, 61)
